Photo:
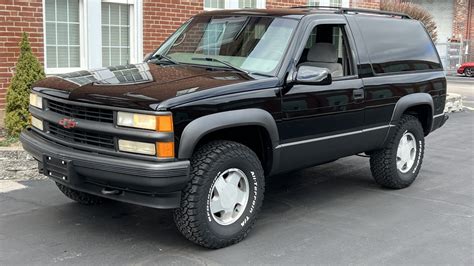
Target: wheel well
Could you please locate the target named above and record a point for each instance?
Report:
(424, 114)
(254, 137)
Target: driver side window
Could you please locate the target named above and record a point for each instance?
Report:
(327, 47)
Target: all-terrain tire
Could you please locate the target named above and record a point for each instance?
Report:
(194, 218)
(78, 196)
(383, 163)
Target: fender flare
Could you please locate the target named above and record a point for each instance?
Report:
(411, 100)
(204, 125)
(406, 102)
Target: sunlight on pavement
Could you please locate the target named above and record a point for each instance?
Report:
(8, 185)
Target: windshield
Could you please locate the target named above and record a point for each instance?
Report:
(253, 44)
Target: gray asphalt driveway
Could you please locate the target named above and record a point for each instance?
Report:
(332, 213)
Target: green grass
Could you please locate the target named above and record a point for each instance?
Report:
(8, 141)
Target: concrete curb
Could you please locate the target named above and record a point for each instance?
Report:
(453, 103)
(17, 164)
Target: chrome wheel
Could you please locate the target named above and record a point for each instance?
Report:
(406, 152)
(229, 196)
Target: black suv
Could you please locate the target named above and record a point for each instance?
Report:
(234, 97)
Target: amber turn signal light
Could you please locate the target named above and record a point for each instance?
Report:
(165, 149)
(164, 123)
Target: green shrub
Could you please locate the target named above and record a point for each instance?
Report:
(28, 70)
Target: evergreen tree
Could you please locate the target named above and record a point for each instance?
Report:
(28, 70)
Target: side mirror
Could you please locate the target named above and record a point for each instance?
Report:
(147, 57)
(313, 75)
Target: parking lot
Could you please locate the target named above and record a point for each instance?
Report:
(332, 213)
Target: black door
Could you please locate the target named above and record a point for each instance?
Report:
(323, 122)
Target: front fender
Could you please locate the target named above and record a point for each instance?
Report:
(202, 126)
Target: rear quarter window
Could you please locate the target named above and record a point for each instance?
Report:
(398, 45)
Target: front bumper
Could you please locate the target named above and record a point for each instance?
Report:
(146, 183)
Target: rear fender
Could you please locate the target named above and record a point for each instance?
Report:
(407, 102)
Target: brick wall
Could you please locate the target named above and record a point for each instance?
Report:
(470, 32)
(283, 3)
(470, 21)
(470, 25)
(374, 4)
(17, 16)
(460, 18)
(161, 18)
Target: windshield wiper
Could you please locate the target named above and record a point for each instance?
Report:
(163, 56)
(212, 59)
(262, 74)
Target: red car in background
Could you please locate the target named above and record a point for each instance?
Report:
(467, 69)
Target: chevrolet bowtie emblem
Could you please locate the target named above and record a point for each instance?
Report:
(68, 123)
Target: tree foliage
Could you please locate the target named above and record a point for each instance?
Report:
(415, 11)
(28, 70)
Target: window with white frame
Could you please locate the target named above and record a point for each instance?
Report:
(115, 34)
(335, 3)
(85, 34)
(247, 4)
(217, 4)
(62, 34)
(229, 4)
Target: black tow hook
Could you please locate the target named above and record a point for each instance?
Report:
(108, 191)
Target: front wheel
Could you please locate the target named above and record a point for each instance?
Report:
(397, 165)
(221, 203)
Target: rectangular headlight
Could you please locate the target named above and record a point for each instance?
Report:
(137, 147)
(35, 122)
(36, 100)
(143, 121)
(161, 123)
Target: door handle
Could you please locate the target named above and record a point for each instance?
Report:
(358, 94)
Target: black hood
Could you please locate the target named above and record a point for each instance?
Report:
(149, 86)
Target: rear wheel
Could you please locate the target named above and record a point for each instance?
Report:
(469, 72)
(78, 196)
(220, 204)
(397, 165)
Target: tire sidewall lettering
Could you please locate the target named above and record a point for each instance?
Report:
(418, 158)
(419, 151)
